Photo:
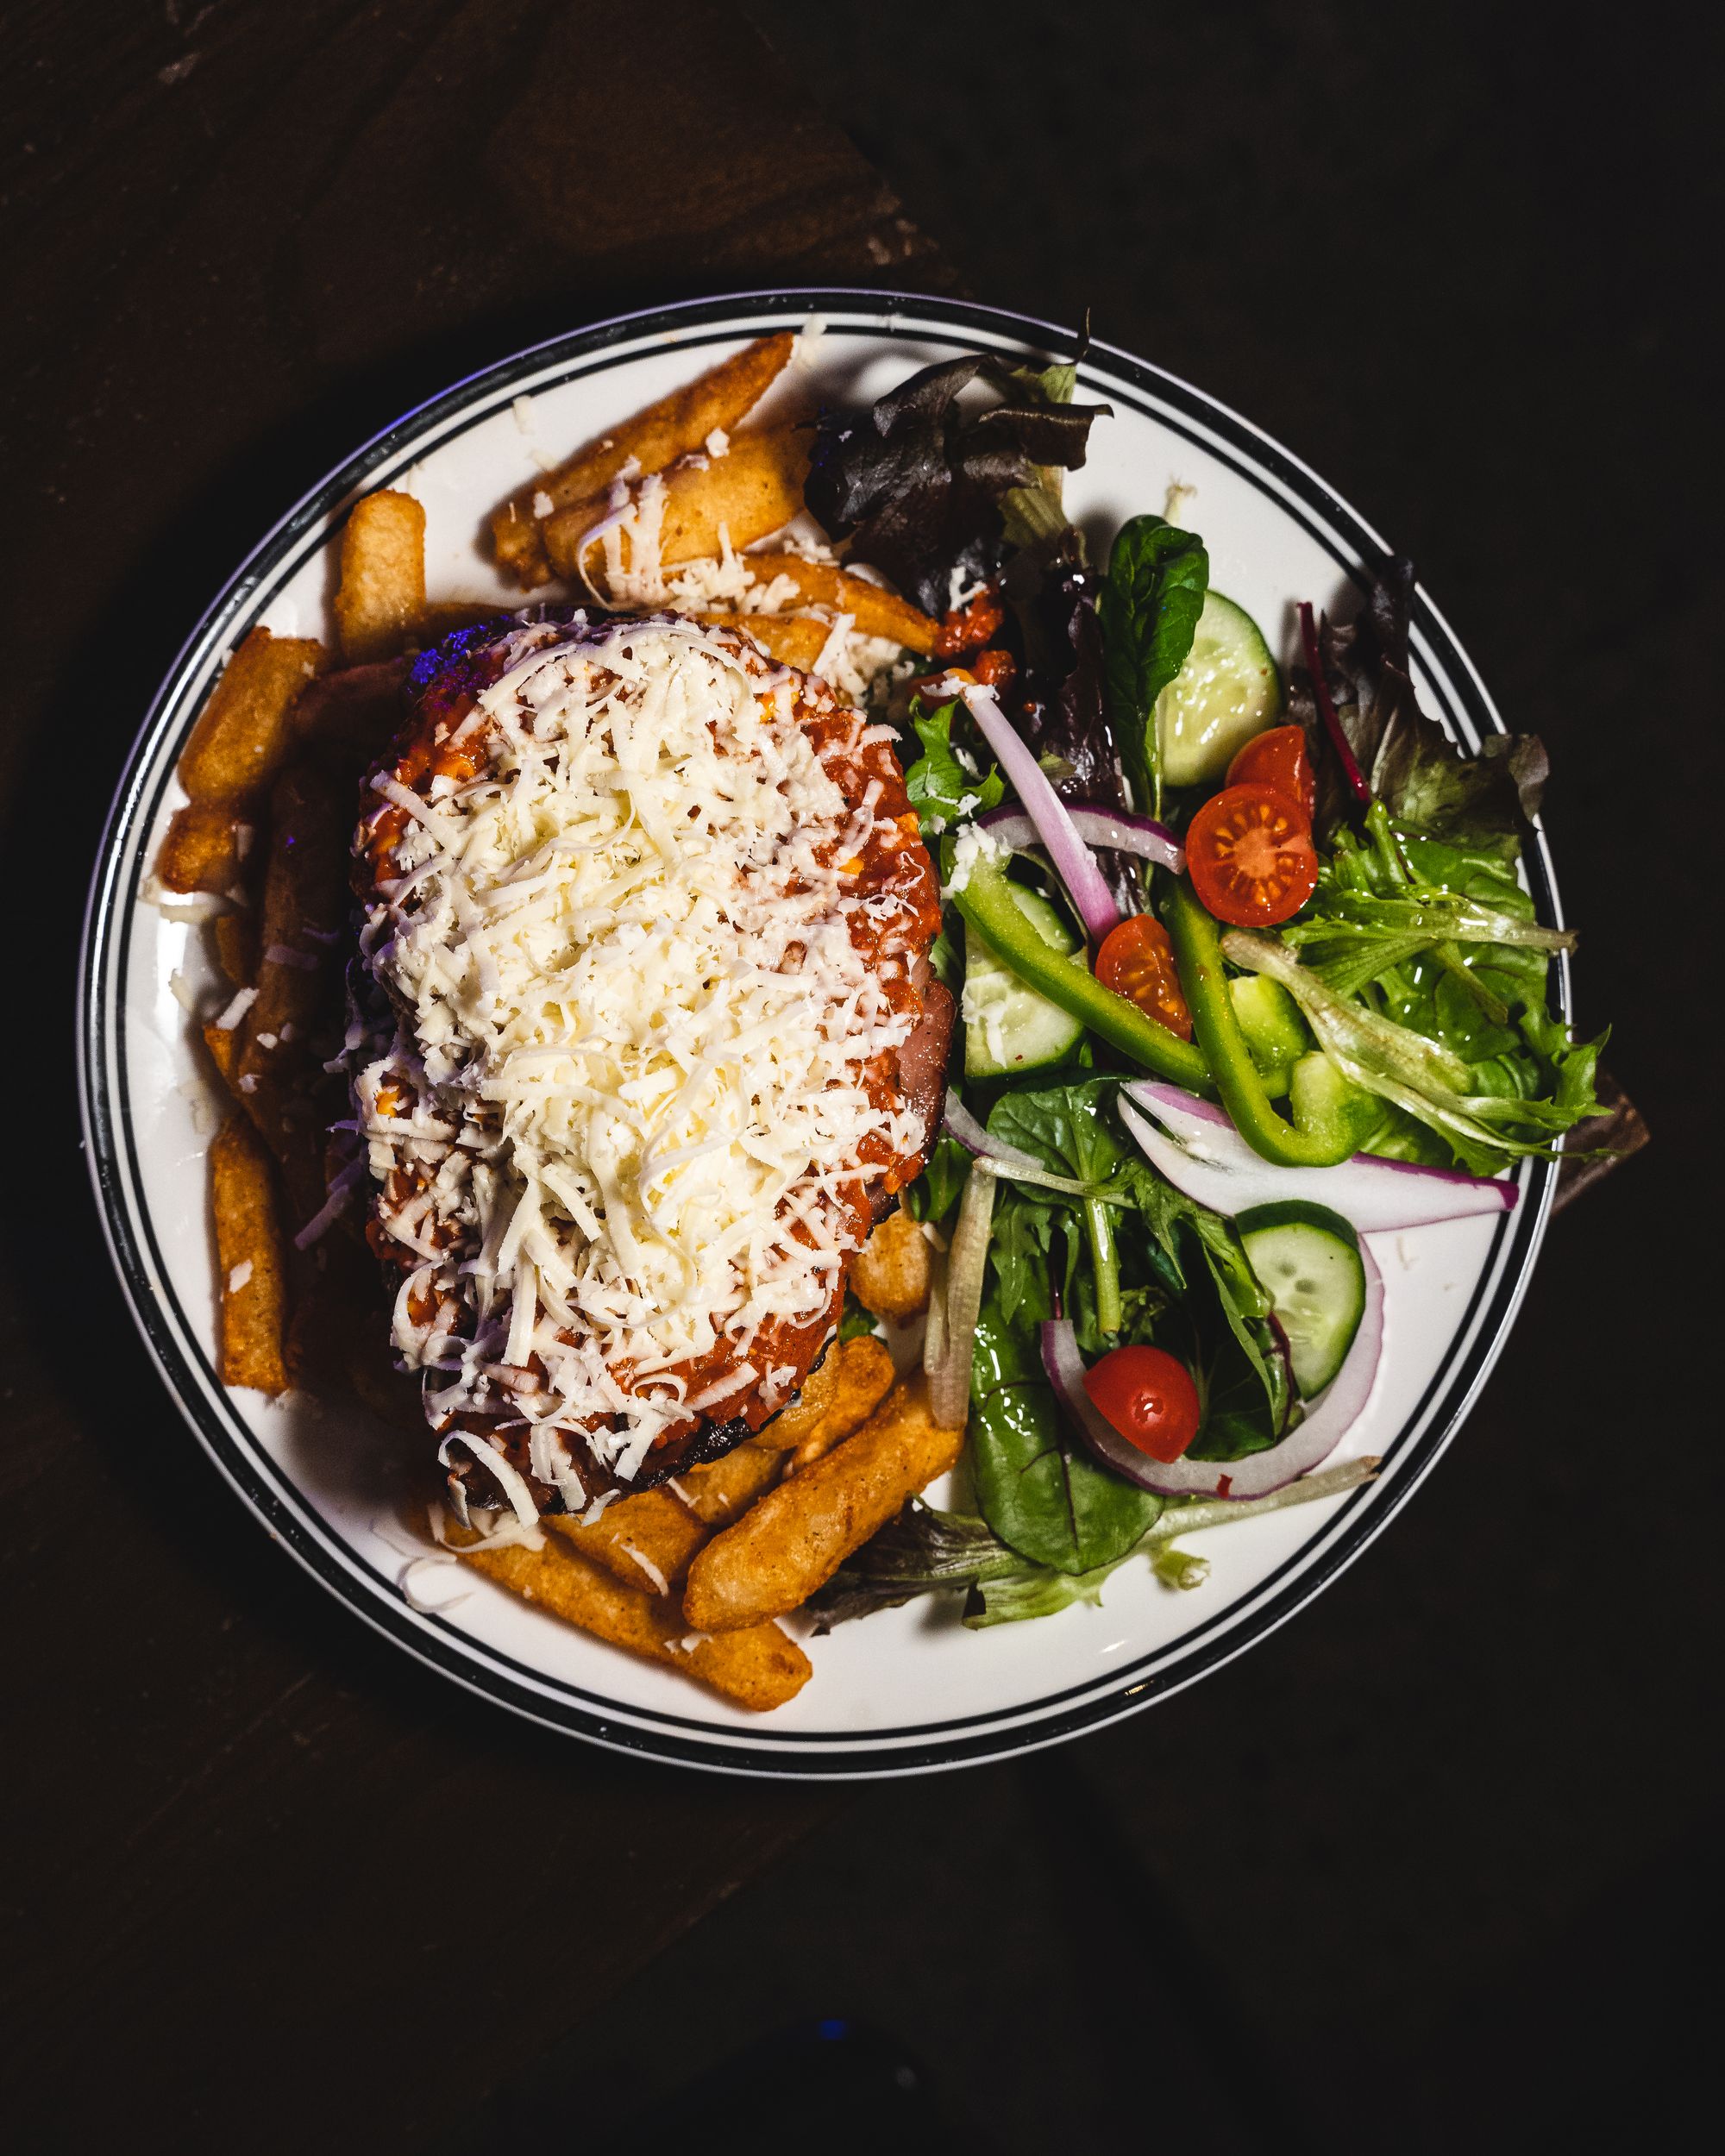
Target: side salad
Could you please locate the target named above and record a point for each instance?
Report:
(1246, 974)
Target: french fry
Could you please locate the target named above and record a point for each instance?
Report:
(796, 1538)
(874, 612)
(241, 734)
(819, 1390)
(303, 905)
(381, 597)
(223, 1044)
(204, 846)
(794, 640)
(369, 1367)
(890, 1277)
(865, 1379)
(759, 1667)
(753, 490)
(719, 1491)
(338, 1330)
(236, 947)
(646, 1541)
(677, 425)
(248, 1251)
(348, 718)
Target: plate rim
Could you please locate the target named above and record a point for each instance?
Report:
(854, 1755)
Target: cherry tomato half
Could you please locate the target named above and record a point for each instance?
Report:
(1137, 961)
(1148, 1397)
(1278, 758)
(1249, 853)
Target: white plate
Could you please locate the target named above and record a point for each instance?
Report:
(907, 1689)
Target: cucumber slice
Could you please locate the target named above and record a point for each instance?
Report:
(1306, 1259)
(1008, 1026)
(1227, 691)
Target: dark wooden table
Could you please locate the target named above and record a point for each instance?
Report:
(240, 1901)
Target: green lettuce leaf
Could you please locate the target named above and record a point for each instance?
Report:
(1034, 1591)
(1478, 1108)
(1439, 965)
(920, 1551)
(941, 789)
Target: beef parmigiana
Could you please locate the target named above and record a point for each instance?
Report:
(648, 1040)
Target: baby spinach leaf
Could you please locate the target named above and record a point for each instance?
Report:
(941, 1184)
(1149, 607)
(1038, 1493)
(1066, 1128)
(1170, 1213)
(1249, 1334)
(1240, 1416)
(1021, 1251)
(925, 1552)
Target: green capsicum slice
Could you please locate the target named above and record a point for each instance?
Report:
(1322, 1133)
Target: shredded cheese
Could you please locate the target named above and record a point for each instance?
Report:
(242, 1002)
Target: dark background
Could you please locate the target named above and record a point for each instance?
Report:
(1436, 1864)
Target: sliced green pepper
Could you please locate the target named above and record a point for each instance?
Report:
(1321, 1135)
(985, 900)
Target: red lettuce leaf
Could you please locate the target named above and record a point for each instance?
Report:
(1410, 761)
(915, 482)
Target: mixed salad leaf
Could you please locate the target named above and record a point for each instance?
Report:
(946, 784)
(926, 1551)
(917, 481)
(1413, 768)
(1361, 971)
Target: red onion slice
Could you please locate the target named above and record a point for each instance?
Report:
(1113, 829)
(1327, 1421)
(958, 1122)
(1200, 1153)
(1073, 861)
